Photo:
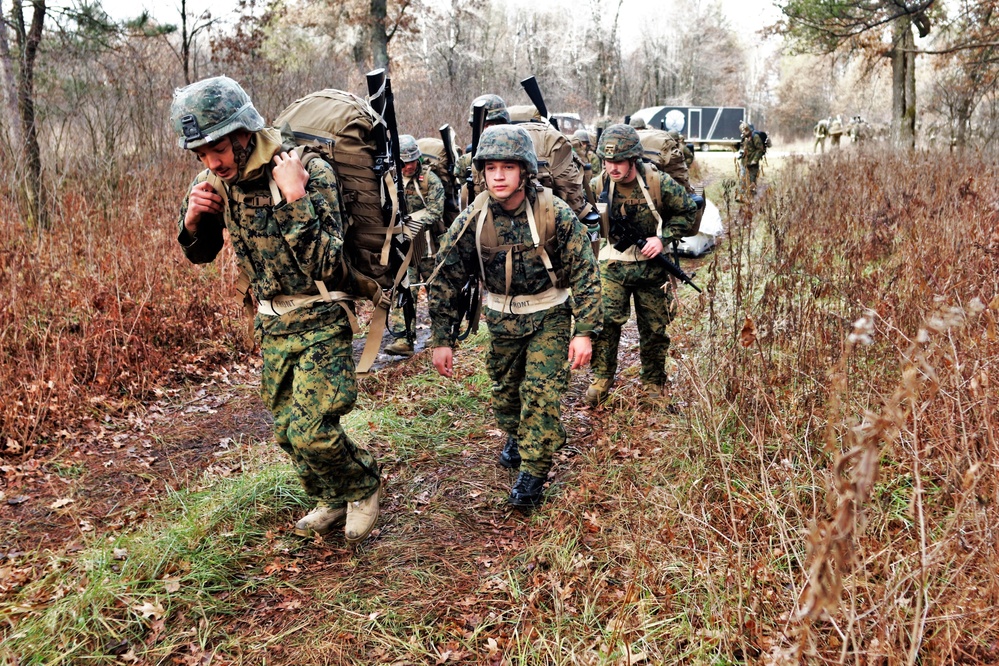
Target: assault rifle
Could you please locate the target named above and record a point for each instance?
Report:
(478, 122)
(628, 234)
(468, 301)
(450, 203)
(466, 304)
(533, 91)
(387, 159)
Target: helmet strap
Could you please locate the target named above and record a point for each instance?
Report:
(240, 153)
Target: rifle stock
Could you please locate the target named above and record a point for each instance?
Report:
(533, 91)
(478, 121)
(447, 138)
(388, 159)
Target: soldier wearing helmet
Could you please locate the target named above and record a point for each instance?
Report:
(531, 253)
(751, 151)
(425, 203)
(496, 114)
(283, 218)
(583, 147)
(662, 210)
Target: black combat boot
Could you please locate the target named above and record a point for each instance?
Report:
(510, 457)
(526, 493)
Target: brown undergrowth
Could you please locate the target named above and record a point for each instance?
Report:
(821, 489)
(101, 309)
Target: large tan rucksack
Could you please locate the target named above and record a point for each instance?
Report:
(662, 150)
(667, 155)
(338, 125)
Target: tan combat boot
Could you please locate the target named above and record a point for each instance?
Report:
(400, 347)
(598, 390)
(361, 517)
(320, 520)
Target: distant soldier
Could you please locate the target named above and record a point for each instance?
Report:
(685, 148)
(585, 152)
(751, 152)
(285, 227)
(835, 131)
(637, 122)
(425, 202)
(858, 129)
(634, 193)
(496, 114)
(673, 123)
(542, 302)
(821, 132)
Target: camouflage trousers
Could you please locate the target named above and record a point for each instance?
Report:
(654, 309)
(308, 383)
(530, 375)
(749, 173)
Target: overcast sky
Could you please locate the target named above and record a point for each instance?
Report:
(746, 15)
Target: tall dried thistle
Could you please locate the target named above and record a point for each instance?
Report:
(831, 542)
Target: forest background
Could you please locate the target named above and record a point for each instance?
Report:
(830, 491)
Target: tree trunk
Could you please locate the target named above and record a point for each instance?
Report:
(28, 41)
(903, 83)
(379, 35)
(9, 88)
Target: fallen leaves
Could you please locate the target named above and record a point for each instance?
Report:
(150, 609)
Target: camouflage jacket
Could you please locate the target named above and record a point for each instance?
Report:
(752, 149)
(594, 160)
(460, 260)
(285, 248)
(677, 209)
(426, 192)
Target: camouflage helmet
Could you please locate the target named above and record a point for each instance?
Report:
(495, 109)
(582, 136)
(637, 122)
(408, 150)
(208, 110)
(618, 143)
(508, 143)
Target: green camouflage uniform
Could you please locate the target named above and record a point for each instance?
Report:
(642, 280)
(752, 152)
(308, 379)
(528, 356)
(425, 245)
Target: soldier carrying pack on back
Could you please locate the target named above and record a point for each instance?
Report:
(285, 224)
(542, 301)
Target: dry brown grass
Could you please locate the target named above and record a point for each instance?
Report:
(862, 396)
(827, 493)
(103, 308)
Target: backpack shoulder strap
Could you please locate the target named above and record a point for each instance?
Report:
(544, 215)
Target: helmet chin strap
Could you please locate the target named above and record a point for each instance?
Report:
(241, 154)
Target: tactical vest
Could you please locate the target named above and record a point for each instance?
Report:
(544, 249)
(649, 185)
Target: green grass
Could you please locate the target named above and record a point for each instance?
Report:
(208, 543)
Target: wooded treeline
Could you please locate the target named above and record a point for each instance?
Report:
(87, 94)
